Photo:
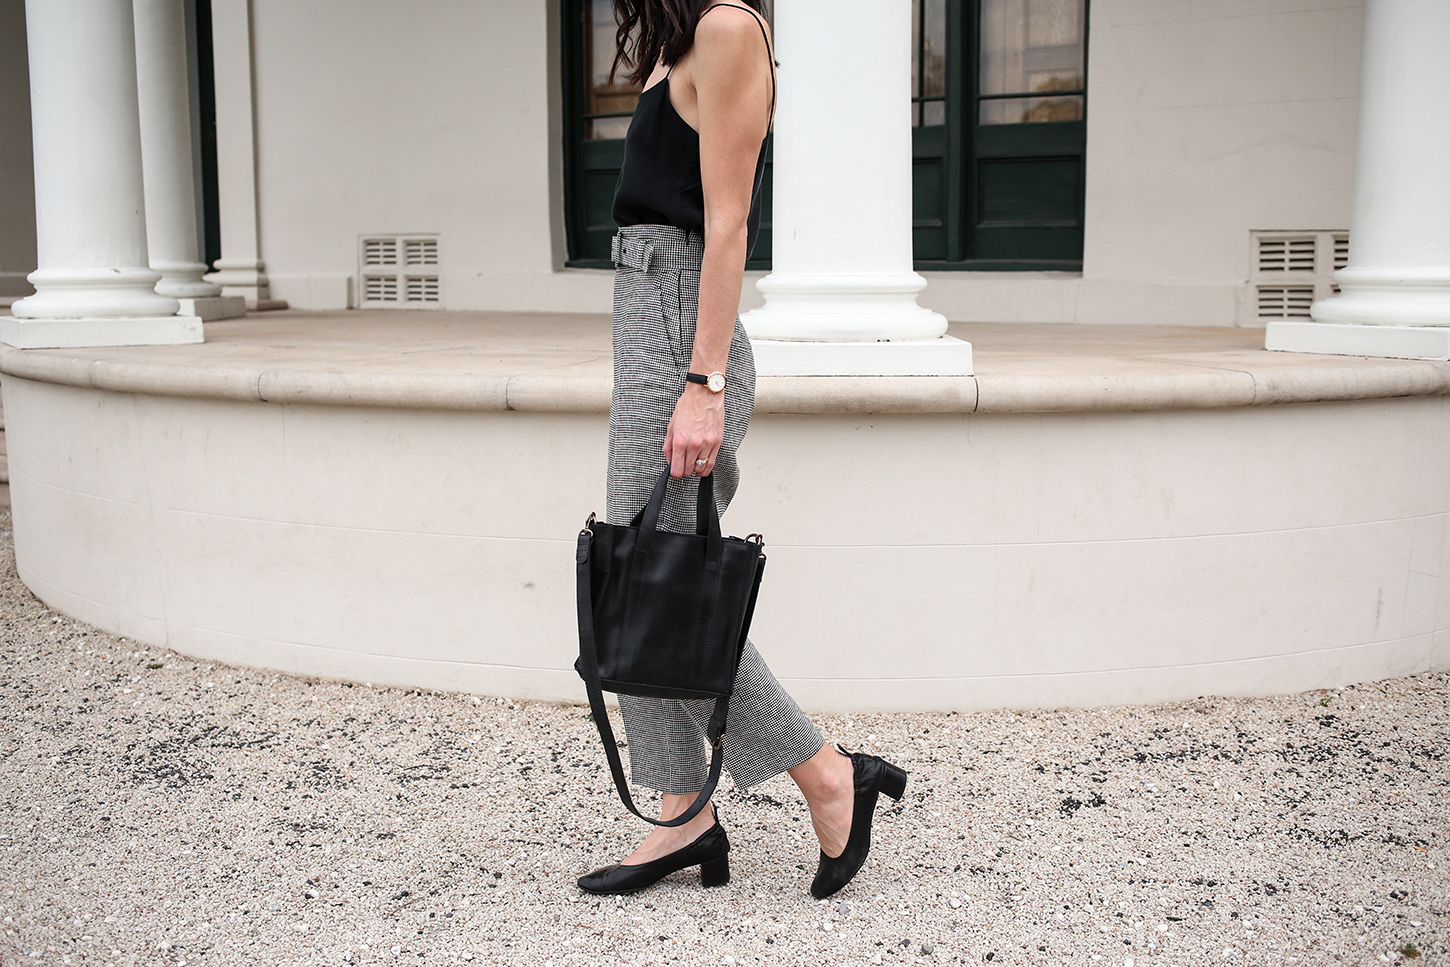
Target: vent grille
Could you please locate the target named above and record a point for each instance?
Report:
(422, 288)
(1291, 271)
(380, 251)
(1285, 302)
(1341, 257)
(1287, 254)
(388, 276)
(420, 251)
(380, 288)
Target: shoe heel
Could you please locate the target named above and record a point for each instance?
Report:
(715, 872)
(893, 780)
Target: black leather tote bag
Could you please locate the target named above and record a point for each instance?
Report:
(666, 615)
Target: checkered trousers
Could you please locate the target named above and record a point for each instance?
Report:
(656, 295)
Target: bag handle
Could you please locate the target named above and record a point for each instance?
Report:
(707, 518)
(589, 660)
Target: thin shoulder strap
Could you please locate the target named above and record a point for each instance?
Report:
(769, 52)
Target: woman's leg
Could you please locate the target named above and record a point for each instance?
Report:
(766, 733)
(666, 753)
(666, 745)
(828, 781)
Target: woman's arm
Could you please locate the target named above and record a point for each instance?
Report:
(731, 70)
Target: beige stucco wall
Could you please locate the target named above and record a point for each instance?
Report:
(17, 181)
(393, 118)
(1207, 119)
(988, 560)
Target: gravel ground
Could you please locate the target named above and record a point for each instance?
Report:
(160, 810)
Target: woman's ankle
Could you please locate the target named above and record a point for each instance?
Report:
(674, 805)
(826, 776)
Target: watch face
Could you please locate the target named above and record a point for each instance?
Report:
(716, 382)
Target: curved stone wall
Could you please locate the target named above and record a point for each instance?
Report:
(917, 560)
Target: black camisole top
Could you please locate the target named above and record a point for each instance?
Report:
(659, 181)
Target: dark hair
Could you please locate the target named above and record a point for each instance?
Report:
(651, 31)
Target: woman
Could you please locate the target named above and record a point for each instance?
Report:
(688, 207)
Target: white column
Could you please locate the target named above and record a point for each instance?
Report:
(94, 286)
(841, 298)
(240, 270)
(1394, 297)
(166, 160)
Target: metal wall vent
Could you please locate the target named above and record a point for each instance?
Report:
(1291, 270)
(399, 272)
(1293, 254)
(380, 288)
(420, 251)
(421, 288)
(1285, 302)
(1341, 257)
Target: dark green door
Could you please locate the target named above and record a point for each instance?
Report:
(596, 115)
(999, 113)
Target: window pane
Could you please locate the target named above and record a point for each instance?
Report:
(916, 48)
(928, 59)
(604, 97)
(1031, 110)
(607, 129)
(1031, 47)
(934, 49)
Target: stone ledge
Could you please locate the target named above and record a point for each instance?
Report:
(561, 363)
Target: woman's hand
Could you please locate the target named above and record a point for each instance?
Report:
(696, 430)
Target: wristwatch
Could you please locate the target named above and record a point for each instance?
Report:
(715, 382)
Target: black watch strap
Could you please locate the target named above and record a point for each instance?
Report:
(715, 382)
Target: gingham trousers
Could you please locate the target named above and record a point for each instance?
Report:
(656, 295)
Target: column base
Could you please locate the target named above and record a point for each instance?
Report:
(76, 333)
(942, 356)
(1336, 339)
(211, 308)
(183, 280)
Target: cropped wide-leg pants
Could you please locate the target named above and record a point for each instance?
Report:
(656, 295)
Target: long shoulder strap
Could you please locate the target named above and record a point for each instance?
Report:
(589, 666)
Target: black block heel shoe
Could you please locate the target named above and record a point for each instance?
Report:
(873, 777)
(711, 853)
